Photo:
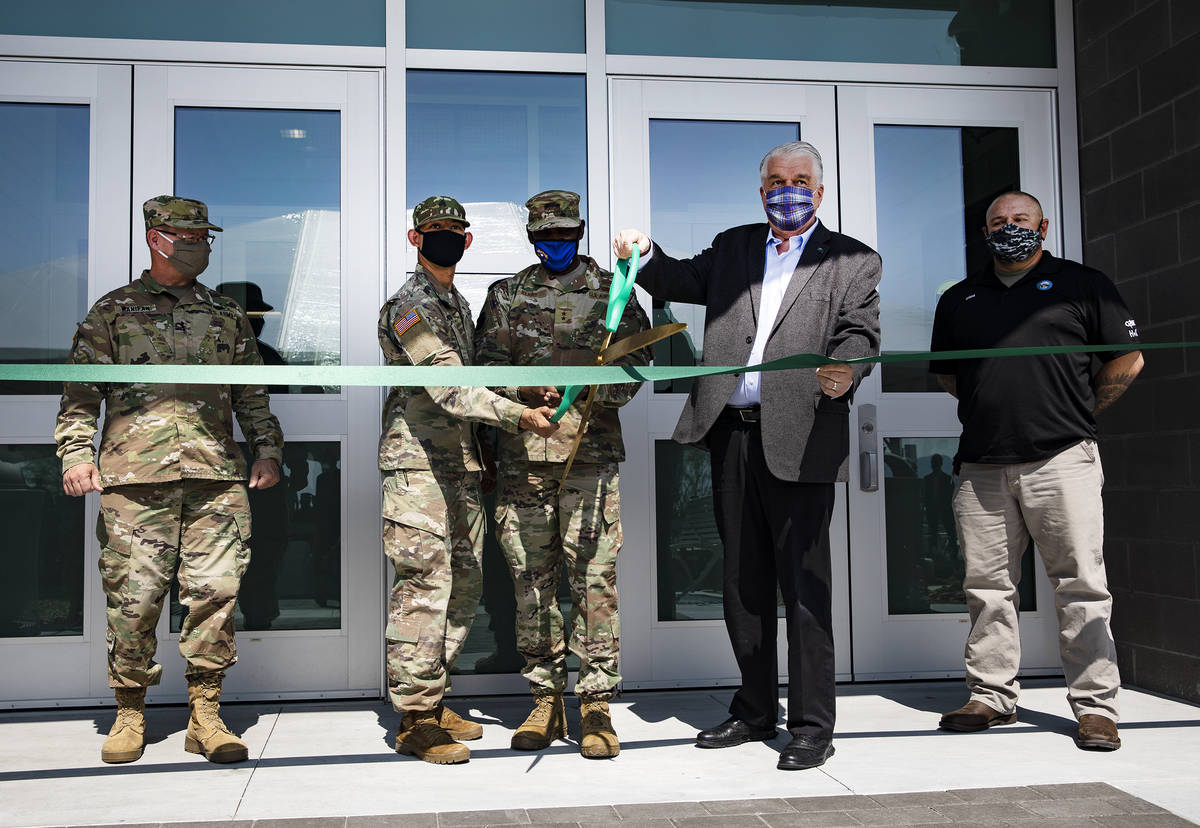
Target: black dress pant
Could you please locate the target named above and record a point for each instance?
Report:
(774, 532)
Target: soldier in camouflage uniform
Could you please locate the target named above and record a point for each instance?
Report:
(433, 522)
(552, 313)
(171, 476)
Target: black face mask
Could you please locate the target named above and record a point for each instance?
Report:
(443, 247)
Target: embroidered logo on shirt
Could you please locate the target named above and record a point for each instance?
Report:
(405, 322)
(562, 315)
(1045, 284)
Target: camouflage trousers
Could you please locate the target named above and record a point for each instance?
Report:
(540, 527)
(146, 532)
(433, 535)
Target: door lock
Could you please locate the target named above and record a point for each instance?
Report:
(868, 452)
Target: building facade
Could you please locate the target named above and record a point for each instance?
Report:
(311, 129)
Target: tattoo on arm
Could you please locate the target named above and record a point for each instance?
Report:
(1110, 388)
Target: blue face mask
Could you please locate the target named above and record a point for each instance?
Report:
(556, 255)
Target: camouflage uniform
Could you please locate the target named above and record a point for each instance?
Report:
(541, 318)
(173, 475)
(433, 521)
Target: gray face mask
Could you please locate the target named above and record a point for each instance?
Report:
(190, 258)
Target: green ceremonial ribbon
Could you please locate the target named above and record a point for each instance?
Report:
(494, 375)
(619, 290)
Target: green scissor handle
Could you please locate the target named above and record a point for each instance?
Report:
(618, 296)
(621, 288)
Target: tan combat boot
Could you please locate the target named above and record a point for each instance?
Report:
(127, 739)
(597, 739)
(206, 733)
(421, 736)
(546, 722)
(460, 729)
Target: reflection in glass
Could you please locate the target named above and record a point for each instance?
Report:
(940, 32)
(703, 179)
(512, 26)
(43, 233)
(933, 186)
(491, 140)
(294, 581)
(272, 179)
(924, 563)
(42, 553)
(690, 554)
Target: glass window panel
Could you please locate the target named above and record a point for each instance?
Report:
(42, 553)
(687, 210)
(512, 26)
(272, 179)
(491, 140)
(43, 233)
(294, 580)
(690, 554)
(940, 32)
(924, 563)
(345, 23)
(933, 186)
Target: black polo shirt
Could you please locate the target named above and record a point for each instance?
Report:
(1020, 409)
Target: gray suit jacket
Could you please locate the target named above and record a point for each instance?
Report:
(831, 307)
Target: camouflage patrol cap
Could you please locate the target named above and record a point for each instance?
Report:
(552, 208)
(439, 207)
(173, 211)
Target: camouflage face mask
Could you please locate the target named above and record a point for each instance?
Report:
(1013, 243)
(189, 257)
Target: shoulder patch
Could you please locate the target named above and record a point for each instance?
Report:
(415, 337)
(403, 323)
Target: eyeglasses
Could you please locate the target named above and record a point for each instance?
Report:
(207, 238)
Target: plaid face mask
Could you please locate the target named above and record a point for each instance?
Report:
(790, 208)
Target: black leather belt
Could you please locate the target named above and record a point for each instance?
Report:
(752, 414)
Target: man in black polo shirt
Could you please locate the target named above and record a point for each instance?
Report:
(1028, 462)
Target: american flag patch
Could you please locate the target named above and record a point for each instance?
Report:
(405, 322)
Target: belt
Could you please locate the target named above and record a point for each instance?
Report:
(752, 414)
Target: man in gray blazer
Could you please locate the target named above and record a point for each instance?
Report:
(778, 440)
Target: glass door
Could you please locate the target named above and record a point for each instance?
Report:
(919, 168)
(64, 185)
(288, 162)
(685, 158)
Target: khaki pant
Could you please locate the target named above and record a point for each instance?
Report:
(1057, 502)
(146, 531)
(433, 535)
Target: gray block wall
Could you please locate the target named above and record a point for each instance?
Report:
(1138, 72)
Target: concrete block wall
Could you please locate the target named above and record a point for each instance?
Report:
(1138, 72)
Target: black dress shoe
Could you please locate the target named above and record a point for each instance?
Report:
(805, 752)
(732, 731)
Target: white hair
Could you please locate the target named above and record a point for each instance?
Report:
(788, 150)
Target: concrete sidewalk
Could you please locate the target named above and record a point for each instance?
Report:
(335, 760)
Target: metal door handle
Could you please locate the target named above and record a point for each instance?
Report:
(867, 467)
(868, 455)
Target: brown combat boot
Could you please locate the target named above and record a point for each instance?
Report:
(597, 739)
(460, 729)
(545, 723)
(206, 733)
(421, 736)
(127, 739)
